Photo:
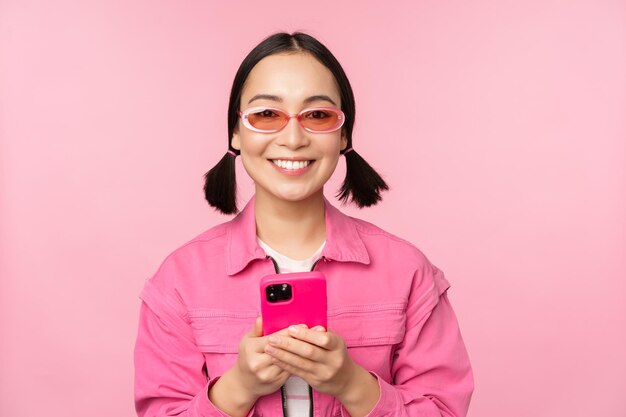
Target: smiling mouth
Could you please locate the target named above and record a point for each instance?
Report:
(286, 164)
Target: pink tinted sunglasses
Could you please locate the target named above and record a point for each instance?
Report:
(272, 120)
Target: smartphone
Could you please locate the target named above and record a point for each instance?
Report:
(293, 298)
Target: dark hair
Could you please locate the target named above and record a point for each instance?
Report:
(362, 185)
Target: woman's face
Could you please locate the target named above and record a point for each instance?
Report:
(291, 79)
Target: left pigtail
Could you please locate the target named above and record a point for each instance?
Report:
(362, 184)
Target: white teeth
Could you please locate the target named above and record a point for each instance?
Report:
(290, 164)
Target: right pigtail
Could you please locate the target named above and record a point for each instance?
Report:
(362, 184)
(220, 186)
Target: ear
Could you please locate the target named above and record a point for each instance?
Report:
(235, 142)
(344, 140)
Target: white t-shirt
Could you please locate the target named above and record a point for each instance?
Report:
(296, 389)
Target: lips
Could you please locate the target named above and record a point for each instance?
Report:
(291, 164)
(292, 167)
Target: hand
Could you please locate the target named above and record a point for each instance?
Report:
(252, 376)
(319, 357)
(255, 370)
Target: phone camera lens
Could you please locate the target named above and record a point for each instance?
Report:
(278, 292)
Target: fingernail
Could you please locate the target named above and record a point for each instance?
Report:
(269, 349)
(273, 340)
(294, 329)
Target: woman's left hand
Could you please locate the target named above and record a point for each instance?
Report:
(317, 356)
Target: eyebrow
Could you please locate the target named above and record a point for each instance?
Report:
(280, 100)
(319, 97)
(266, 97)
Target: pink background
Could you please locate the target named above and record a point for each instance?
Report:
(499, 125)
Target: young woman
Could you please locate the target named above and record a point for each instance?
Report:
(392, 346)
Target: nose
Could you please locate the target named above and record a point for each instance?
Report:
(293, 135)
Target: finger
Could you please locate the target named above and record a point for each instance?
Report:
(271, 373)
(284, 375)
(325, 340)
(282, 332)
(295, 346)
(296, 362)
(257, 360)
(251, 340)
(259, 322)
(257, 329)
(289, 368)
(259, 342)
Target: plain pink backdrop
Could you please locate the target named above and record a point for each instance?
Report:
(499, 125)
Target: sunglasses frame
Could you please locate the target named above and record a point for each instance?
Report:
(341, 118)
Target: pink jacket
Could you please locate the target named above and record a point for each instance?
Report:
(385, 299)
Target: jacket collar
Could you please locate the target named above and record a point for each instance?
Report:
(343, 242)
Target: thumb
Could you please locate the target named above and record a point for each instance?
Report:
(257, 329)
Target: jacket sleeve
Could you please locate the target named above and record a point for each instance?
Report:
(170, 379)
(431, 371)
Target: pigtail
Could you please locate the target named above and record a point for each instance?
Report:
(362, 184)
(220, 186)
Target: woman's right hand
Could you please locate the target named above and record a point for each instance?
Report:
(252, 376)
(255, 370)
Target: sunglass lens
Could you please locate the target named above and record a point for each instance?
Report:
(320, 120)
(267, 119)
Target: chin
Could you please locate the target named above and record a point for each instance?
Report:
(296, 195)
(294, 198)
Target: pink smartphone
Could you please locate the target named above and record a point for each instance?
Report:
(293, 298)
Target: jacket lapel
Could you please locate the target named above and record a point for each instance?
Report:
(343, 242)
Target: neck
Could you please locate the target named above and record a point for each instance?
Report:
(294, 228)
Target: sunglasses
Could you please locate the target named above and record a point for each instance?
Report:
(272, 120)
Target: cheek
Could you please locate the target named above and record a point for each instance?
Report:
(256, 172)
(331, 157)
(251, 165)
(252, 146)
(252, 156)
(333, 146)
(332, 166)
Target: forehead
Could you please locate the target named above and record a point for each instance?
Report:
(291, 77)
